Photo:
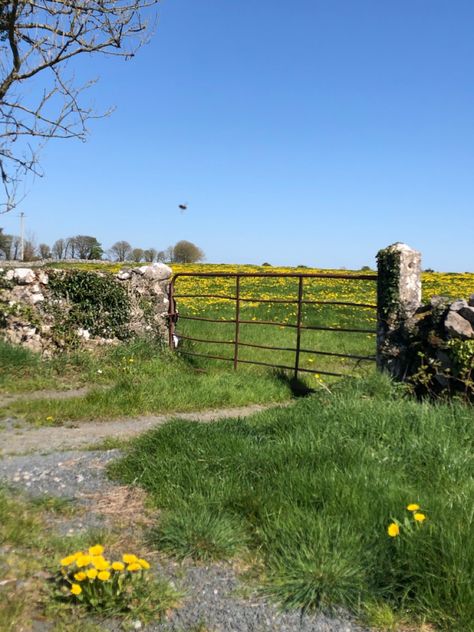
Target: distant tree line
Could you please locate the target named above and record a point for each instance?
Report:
(87, 248)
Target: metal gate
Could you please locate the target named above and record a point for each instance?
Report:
(236, 344)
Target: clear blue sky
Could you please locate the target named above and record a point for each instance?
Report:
(310, 132)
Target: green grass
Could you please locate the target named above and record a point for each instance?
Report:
(139, 379)
(310, 491)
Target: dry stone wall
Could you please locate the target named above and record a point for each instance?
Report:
(430, 345)
(46, 310)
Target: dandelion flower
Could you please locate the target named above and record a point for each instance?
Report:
(67, 561)
(83, 560)
(419, 517)
(96, 550)
(76, 589)
(91, 573)
(413, 507)
(393, 529)
(80, 576)
(118, 566)
(143, 563)
(99, 563)
(104, 576)
(49, 418)
(135, 566)
(128, 558)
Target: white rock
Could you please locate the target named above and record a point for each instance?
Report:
(123, 275)
(42, 277)
(157, 271)
(83, 333)
(36, 298)
(140, 270)
(9, 275)
(24, 276)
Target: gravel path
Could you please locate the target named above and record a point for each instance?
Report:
(21, 438)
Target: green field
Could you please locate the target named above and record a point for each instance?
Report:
(321, 310)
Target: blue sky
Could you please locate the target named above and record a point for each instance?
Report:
(313, 132)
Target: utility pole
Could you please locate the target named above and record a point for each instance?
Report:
(22, 237)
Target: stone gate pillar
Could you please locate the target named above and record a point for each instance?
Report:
(398, 298)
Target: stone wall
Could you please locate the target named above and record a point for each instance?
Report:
(46, 310)
(430, 345)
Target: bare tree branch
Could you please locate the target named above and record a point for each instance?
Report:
(39, 38)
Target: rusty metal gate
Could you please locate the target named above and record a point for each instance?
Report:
(237, 321)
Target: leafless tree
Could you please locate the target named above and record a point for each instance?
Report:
(187, 252)
(150, 255)
(44, 251)
(29, 249)
(59, 249)
(85, 247)
(137, 254)
(39, 97)
(121, 250)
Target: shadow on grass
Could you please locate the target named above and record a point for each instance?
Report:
(297, 387)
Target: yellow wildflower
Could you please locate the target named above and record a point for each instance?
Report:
(393, 529)
(143, 563)
(91, 573)
(76, 589)
(83, 560)
(49, 418)
(104, 576)
(67, 561)
(96, 550)
(80, 576)
(419, 517)
(413, 507)
(99, 563)
(128, 558)
(135, 566)
(118, 566)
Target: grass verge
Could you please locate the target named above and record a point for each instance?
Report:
(135, 379)
(311, 490)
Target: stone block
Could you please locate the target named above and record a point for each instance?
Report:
(458, 327)
(468, 314)
(24, 276)
(456, 306)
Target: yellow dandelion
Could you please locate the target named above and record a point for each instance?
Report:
(118, 566)
(413, 507)
(80, 576)
(49, 418)
(83, 560)
(76, 589)
(91, 573)
(143, 563)
(96, 550)
(99, 563)
(128, 558)
(393, 529)
(104, 576)
(419, 517)
(135, 566)
(67, 561)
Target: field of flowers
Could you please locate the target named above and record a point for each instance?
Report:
(326, 313)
